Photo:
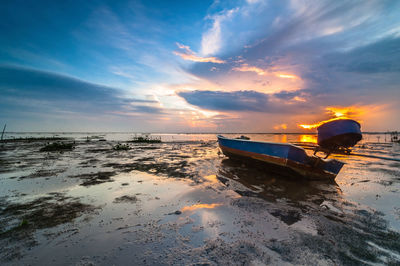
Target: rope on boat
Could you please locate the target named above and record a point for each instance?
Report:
(312, 147)
(376, 157)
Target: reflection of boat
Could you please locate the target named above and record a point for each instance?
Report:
(341, 133)
(289, 198)
(272, 186)
(281, 157)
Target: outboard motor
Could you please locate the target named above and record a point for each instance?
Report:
(339, 134)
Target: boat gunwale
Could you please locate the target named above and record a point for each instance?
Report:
(340, 119)
(264, 142)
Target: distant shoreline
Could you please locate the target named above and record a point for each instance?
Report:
(183, 133)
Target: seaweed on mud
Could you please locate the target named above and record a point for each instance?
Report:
(148, 147)
(3, 165)
(145, 159)
(90, 161)
(44, 212)
(31, 139)
(121, 147)
(58, 146)
(390, 172)
(246, 193)
(145, 139)
(177, 156)
(346, 240)
(169, 169)
(218, 252)
(99, 150)
(95, 178)
(289, 217)
(250, 204)
(19, 221)
(43, 173)
(126, 199)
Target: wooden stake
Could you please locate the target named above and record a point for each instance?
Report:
(4, 128)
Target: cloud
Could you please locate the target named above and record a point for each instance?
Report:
(247, 68)
(253, 1)
(326, 50)
(284, 102)
(29, 89)
(287, 76)
(148, 109)
(365, 75)
(227, 101)
(188, 54)
(289, 95)
(259, 71)
(139, 101)
(195, 58)
(46, 85)
(281, 127)
(377, 57)
(211, 41)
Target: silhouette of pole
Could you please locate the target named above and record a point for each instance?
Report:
(4, 128)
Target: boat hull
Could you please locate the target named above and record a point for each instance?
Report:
(342, 133)
(285, 159)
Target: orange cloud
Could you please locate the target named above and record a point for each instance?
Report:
(299, 99)
(287, 76)
(350, 111)
(337, 113)
(262, 72)
(281, 126)
(247, 68)
(311, 126)
(188, 54)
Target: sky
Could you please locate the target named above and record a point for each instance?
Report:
(198, 66)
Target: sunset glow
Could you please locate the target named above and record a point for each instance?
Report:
(195, 58)
(281, 126)
(351, 112)
(312, 126)
(247, 68)
(138, 132)
(238, 65)
(308, 138)
(287, 76)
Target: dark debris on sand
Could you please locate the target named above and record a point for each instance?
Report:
(176, 169)
(126, 199)
(58, 146)
(29, 139)
(19, 221)
(95, 178)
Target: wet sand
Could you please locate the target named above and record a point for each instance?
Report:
(182, 202)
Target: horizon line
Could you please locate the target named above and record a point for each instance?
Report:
(143, 132)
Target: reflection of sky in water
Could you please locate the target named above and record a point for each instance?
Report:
(200, 206)
(308, 138)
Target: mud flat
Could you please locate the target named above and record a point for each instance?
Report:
(181, 202)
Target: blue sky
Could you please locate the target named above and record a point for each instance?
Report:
(198, 66)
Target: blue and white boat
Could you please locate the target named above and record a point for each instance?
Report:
(340, 133)
(283, 158)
